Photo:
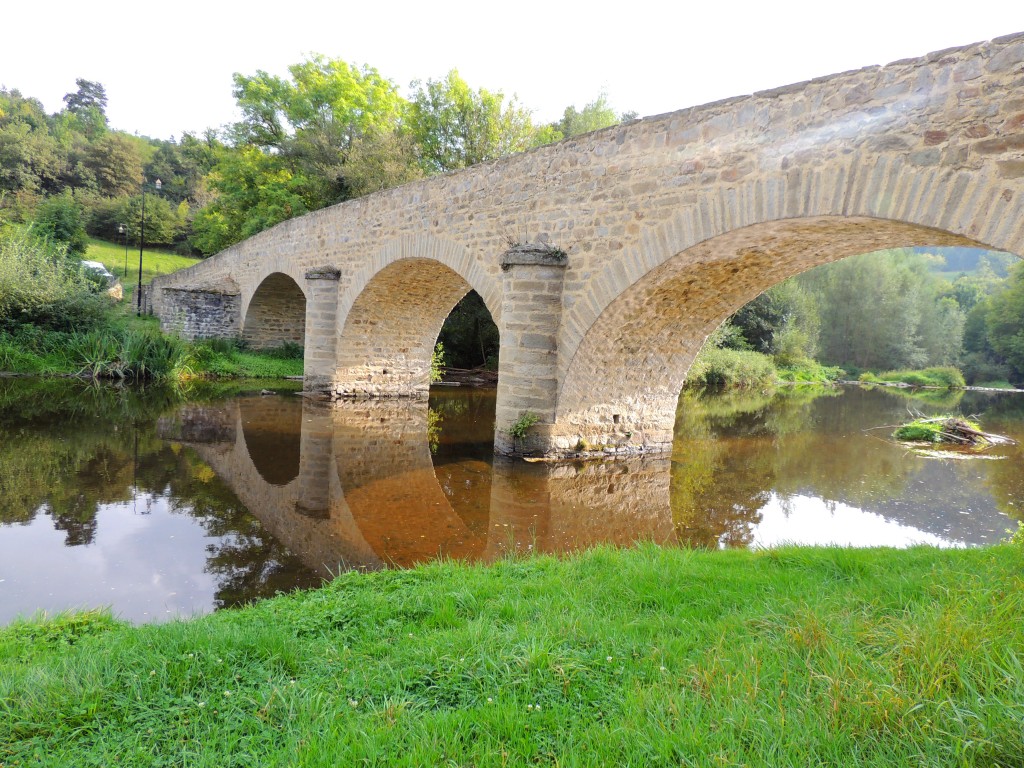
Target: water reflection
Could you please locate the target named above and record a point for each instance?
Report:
(158, 505)
(739, 459)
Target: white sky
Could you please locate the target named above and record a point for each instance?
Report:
(167, 66)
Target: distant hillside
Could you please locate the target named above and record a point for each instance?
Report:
(968, 261)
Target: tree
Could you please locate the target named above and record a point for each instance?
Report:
(1004, 321)
(783, 319)
(88, 104)
(60, 220)
(165, 222)
(90, 95)
(253, 191)
(115, 162)
(313, 121)
(878, 311)
(456, 127)
(594, 116)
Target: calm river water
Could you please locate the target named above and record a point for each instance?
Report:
(158, 506)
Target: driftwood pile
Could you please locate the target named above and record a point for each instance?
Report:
(959, 432)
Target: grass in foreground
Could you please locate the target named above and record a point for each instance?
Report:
(642, 657)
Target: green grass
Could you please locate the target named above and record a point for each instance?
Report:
(154, 262)
(716, 368)
(219, 360)
(127, 347)
(645, 657)
(810, 372)
(945, 377)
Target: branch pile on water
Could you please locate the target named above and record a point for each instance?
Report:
(949, 429)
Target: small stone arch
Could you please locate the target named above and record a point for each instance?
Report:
(275, 314)
(390, 321)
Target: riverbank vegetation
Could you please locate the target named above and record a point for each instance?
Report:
(890, 316)
(57, 319)
(611, 657)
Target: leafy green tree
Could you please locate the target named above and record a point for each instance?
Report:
(254, 191)
(165, 221)
(60, 220)
(88, 104)
(115, 162)
(1005, 321)
(878, 311)
(30, 159)
(594, 116)
(456, 126)
(380, 159)
(782, 319)
(313, 120)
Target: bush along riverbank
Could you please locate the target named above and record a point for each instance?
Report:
(57, 319)
(647, 656)
(135, 349)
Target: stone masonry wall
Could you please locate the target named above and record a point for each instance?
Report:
(199, 314)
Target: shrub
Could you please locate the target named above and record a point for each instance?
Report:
(717, 368)
(944, 377)
(41, 284)
(60, 219)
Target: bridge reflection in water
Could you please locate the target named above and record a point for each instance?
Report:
(378, 483)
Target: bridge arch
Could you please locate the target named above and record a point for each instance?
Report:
(391, 313)
(275, 313)
(622, 384)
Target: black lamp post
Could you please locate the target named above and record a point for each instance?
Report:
(142, 240)
(122, 231)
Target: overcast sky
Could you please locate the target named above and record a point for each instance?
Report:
(167, 66)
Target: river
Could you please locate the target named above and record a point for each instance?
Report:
(161, 502)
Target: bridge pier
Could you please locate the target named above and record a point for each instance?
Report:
(320, 362)
(531, 310)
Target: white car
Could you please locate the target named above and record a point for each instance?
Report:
(99, 270)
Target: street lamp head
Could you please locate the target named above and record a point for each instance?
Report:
(158, 184)
(120, 229)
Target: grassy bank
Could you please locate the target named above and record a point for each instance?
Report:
(126, 347)
(641, 657)
(943, 377)
(154, 262)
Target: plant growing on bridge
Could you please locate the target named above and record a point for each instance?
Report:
(522, 425)
(437, 362)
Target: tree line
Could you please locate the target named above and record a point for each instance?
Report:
(891, 310)
(328, 132)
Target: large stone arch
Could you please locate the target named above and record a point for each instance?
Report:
(391, 313)
(275, 313)
(622, 384)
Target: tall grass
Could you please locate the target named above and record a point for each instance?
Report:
(41, 284)
(720, 368)
(943, 377)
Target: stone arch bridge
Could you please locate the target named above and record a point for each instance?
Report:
(606, 259)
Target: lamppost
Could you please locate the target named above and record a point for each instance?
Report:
(122, 231)
(142, 240)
